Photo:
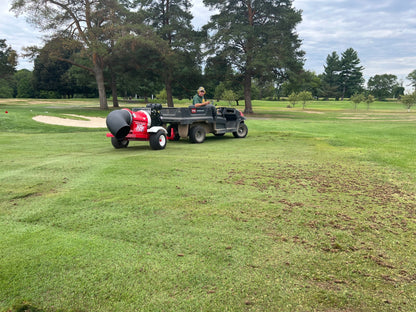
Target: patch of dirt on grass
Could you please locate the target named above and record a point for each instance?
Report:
(331, 197)
(312, 112)
(395, 117)
(80, 121)
(338, 183)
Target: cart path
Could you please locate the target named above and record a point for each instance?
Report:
(85, 122)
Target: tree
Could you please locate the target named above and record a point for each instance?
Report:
(263, 89)
(187, 75)
(412, 78)
(398, 91)
(232, 82)
(357, 98)
(229, 96)
(8, 60)
(305, 96)
(90, 22)
(8, 63)
(172, 21)
(368, 100)
(343, 76)
(257, 37)
(293, 98)
(24, 85)
(351, 76)
(138, 59)
(382, 86)
(331, 76)
(303, 80)
(49, 73)
(409, 100)
(217, 70)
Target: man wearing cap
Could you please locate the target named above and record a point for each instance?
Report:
(199, 98)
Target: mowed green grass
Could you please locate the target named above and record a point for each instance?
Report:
(313, 211)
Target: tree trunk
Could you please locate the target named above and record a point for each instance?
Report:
(343, 93)
(168, 86)
(114, 90)
(247, 94)
(99, 77)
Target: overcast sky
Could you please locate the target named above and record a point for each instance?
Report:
(383, 32)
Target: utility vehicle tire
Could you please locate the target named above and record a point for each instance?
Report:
(197, 134)
(242, 131)
(158, 140)
(117, 143)
(176, 136)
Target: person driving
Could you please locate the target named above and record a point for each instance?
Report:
(199, 98)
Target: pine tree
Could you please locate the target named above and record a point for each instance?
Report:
(172, 21)
(258, 38)
(351, 76)
(343, 76)
(331, 76)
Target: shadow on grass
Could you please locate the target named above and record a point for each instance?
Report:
(25, 307)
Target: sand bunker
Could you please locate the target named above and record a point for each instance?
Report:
(83, 121)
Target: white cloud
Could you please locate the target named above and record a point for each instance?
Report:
(383, 32)
(18, 33)
(200, 13)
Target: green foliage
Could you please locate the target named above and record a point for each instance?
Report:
(8, 60)
(233, 86)
(412, 78)
(409, 100)
(257, 37)
(229, 96)
(357, 98)
(162, 95)
(84, 24)
(138, 64)
(24, 83)
(172, 22)
(6, 91)
(368, 100)
(217, 71)
(8, 63)
(304, 80)
(54, 76)
(383, 86)
(305, 96)
(342, 76)
(351, 76)
(293, 98)
(219, 90)
(330, 77)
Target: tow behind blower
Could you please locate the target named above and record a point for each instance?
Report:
(142, 124)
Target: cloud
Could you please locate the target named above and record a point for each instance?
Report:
(200, 13)
(382, 32)
(18, 33)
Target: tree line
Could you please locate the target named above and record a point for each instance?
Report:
(247, 50)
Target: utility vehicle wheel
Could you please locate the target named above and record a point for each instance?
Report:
(176, 136)
(197, 134)
(158, 140)
(119, 143)
(242, 131)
